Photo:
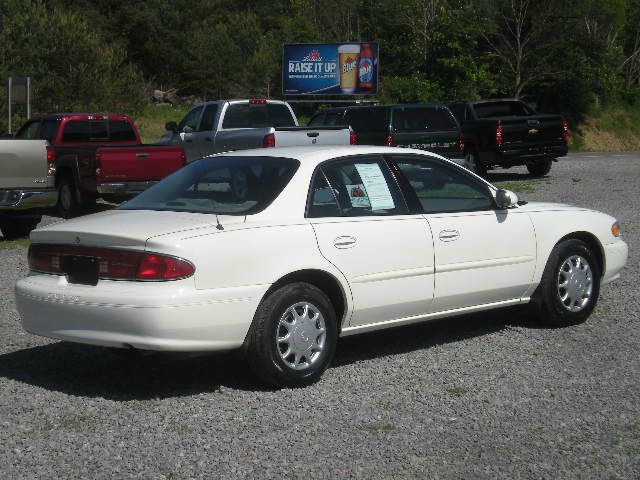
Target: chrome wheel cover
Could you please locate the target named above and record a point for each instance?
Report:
(575, 283)
(301, 335)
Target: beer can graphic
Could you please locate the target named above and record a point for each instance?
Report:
(348, 61)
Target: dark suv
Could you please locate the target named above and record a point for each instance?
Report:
(431, 127)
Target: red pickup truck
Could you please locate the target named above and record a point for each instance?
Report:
(98, 155)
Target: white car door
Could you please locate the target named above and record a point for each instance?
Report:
(363, 227)
(482, 254)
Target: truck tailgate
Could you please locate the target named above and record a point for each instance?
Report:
(137, 163)
(23, 164)
(295, 136)
(532, 130)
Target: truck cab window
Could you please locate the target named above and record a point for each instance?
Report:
(190, 119)
(208, 117)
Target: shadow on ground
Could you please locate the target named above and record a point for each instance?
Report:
(121, 375)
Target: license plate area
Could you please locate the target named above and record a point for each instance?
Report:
(81, 270)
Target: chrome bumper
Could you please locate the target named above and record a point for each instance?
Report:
(15, 199)
(123, 188)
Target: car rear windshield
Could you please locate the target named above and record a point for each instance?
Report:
(368, 119)
(423, 119)
(501, 109)
(246, 115)
(87, 131)
(219, 185)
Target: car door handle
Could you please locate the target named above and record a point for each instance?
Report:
(344, 242)
(142, 155)
(448, 235)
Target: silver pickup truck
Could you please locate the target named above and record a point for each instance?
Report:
(224, 125)
(27, 185)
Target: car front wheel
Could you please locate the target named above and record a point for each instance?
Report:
(570, 285)
(293, 336)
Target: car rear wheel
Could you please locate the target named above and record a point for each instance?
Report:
(570, 285)
(293, 336)
(539, 168)
(18, 227)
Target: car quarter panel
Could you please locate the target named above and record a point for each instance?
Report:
(241, 255)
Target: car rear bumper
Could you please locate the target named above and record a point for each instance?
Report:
(123, 188)
(616, 255)
(168, 316)
(523, 154)
(19, 199)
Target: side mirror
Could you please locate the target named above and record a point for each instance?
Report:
(171, 126)
(187, 129)
(506, 198)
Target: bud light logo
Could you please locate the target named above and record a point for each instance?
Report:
(349, 65)
(366, 70)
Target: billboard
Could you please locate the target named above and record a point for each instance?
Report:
(330, 69)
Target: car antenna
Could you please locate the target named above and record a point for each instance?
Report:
(219, 225)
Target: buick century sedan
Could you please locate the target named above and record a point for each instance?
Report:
(278, 252)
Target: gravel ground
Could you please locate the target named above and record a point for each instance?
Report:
(483, 396)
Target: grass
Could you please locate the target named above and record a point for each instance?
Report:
(151, 121)
(613, 128)
(7, 244)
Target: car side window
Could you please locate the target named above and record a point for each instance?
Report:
(322, 202)
(443, 188)
(363, 186)
(208, 117)
(190, 119)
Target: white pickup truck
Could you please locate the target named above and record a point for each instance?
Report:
(27, 185)
(223, 125)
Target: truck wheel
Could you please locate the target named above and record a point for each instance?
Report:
(67, 202)
(539, 168)
(472, 162)
(293, 336)
(570, 285)
(18, 227)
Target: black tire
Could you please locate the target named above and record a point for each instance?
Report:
(473, 163)
(539, 168)
(549, 307)
(263, 350)
(67, 198)
(18, 227)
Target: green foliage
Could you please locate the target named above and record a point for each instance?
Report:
(73, 66)
(98, 54)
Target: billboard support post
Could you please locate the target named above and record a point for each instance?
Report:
(9, 82)
(18, 91)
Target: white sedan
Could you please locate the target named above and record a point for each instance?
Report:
(281, 251)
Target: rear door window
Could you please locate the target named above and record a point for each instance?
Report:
(29, 131)
(424, 119)
(370, 119)
(280, 115)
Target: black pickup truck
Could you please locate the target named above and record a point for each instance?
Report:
(506, 132)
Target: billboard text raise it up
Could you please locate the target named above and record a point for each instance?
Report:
(330, 69)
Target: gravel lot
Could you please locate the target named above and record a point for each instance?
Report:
(483, 396)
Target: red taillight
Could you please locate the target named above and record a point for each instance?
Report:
(269, 140)
(389, 140)
(51, 156)
(112, 264)
(353, 137)
(257, 101)
(161, 267)
(461, 143)
(565, 130)
(499, 134)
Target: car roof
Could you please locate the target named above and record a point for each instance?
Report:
(316, 154)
